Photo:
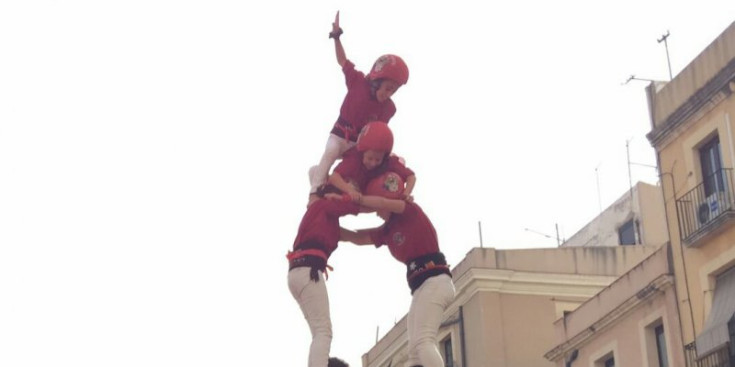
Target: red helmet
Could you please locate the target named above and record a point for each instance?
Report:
(390, 67)
(375, 135)
(388, 185)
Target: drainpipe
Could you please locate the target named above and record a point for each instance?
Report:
(729, 135)
(681, 248)
(461, 337)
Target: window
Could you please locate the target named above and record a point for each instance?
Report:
(717, 329)
(448, 356)
(709, 158)
(607, 360)
(663, 359)
(627, 233)
(654, 340)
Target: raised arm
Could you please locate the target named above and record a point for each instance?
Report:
(338, 49)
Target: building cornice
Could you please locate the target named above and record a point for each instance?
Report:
(659, 284)
(569, 286)
(697, 105)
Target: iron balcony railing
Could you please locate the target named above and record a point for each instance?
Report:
(699, 209)
(718, 358)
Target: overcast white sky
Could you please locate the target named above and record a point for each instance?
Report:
(154, 156)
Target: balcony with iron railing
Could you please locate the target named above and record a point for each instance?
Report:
(707, 209)
(718, 358)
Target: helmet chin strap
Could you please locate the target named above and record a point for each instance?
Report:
(374, 86)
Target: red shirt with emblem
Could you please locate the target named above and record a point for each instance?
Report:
(359, 106)
(408, 235)
(352, 169)
(320, 223)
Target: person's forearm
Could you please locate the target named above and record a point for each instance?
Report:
(340, 52)
(410, 183)
(358, 238)
(347, 235)
(340, 183)
(381, 203)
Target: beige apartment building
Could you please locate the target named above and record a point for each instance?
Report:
(508, 300)
(637, 217)
(632, 322)
(676, 307)
(693, 135)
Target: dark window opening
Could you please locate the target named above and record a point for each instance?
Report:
(711, 162)
(663, 359)
(448, 356)
(627, 233)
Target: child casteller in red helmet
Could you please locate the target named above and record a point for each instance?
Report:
(412, 240)
(369, 159)
(368, 99)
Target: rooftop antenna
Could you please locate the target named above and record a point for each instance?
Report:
(633, 77)
(479, 227)
(630, 176)
(597, 177)
(666, 44)
(558, 240)
(627, 148)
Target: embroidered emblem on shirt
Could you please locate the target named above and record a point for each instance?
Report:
(391, 183)
(398, 238)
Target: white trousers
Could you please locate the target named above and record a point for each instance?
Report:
(424, 317)
(314, 302)
(336, 146)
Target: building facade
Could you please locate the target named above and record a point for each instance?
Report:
(636, 218)
(632, 322)
(508, 300)
(693, 134)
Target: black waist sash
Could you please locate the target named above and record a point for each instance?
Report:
(309, 254)
(425, 267)
(345, 130)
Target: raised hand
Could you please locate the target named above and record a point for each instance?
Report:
(336, 30)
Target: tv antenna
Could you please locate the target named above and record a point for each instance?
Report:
(633, 77)
(479, 228)
(597, 178)
(631, 163)
(630, 176)
(558, 240)
(666, 44)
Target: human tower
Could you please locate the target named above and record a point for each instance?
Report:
(368, 178)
